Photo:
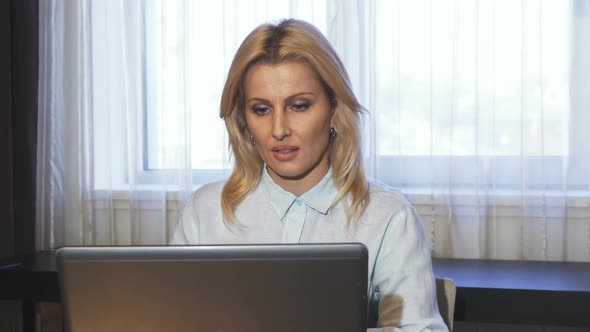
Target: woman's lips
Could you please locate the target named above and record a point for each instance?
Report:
(285, 153)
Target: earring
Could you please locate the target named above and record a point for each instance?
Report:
(333, 133)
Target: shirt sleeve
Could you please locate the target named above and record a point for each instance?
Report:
(186, 230)
(404, 279)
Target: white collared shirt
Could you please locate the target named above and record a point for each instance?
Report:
(400, 268)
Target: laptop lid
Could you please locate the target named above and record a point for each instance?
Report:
(246, 288)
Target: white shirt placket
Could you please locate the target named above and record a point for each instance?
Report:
(294, 221)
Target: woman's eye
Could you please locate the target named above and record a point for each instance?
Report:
(300, 107)
(260, 110)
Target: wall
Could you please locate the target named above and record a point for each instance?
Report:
(18, 126)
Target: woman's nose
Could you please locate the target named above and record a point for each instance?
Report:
(280, 125)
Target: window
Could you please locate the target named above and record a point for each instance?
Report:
(471, 83)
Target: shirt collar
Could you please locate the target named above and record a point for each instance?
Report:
(319, 198)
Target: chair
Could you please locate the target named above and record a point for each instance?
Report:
(446, 291)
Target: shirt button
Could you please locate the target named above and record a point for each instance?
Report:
(298, 202)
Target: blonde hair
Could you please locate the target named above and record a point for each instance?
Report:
(294, 41)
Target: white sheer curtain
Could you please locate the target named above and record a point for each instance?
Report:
(478, 110)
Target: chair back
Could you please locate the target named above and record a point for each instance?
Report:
(446, 292)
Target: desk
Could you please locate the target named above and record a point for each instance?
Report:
(519, 292)
(511, 292)
(32, 280)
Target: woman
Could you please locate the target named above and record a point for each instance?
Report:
(293, 123)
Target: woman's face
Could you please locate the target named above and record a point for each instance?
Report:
(289, 117)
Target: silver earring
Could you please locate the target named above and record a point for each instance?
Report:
(333, 133)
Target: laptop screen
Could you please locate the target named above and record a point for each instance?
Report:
(247, 288)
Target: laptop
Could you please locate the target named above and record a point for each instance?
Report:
(246, 288)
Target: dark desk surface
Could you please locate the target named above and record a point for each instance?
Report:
(34, 279)
(519, 292)
(517, 275)
(513, 292)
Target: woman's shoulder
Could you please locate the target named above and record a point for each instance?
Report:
(388, 204)
(206, 194)
(206, 200)
(384, 196)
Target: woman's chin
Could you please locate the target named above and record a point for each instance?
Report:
(293, 173)
(288, 174)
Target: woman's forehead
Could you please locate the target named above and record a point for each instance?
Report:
(280, 79)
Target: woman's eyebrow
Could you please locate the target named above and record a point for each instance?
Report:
(298, 95)
(258, 99)
(289, 98)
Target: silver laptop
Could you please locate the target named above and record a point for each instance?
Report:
(246, 288)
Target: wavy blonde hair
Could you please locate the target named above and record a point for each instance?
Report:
(293, 41)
